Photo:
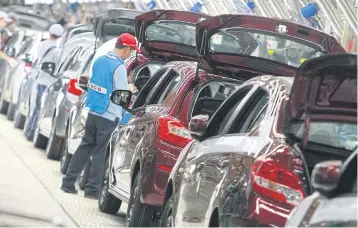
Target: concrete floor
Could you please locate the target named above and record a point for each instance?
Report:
(29, 189)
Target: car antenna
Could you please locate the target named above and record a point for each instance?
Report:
(202, 45)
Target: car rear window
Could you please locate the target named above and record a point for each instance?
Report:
(172, 32)
(272, 46)
(338, 135)
(114, 27)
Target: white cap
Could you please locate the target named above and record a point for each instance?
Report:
(56, 30)
(12, 15)
(5, 17)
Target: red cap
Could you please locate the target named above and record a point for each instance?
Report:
(129, 40)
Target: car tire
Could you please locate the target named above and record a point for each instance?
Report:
(19, 120)
(65, 156)
(138, 214)
(107, 202)
(83, 178)
(10, 111)
(3, 105)
(39, 141)
(166, 219)
(54, 144)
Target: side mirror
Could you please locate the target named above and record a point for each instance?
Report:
(325, 176)
(48, 67)
(197, 125)
(122, 98)
(83, 82)
(27, 58)
(10, 52)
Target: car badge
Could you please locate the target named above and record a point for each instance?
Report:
(281, 29)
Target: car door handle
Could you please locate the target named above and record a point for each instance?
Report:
(200, 166)
(224, 163)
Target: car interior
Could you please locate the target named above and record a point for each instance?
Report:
(146, 73)
(211, 97)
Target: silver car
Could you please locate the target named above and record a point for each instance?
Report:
(29, 41)
(26, 100)
(59, 98)
(334, 204)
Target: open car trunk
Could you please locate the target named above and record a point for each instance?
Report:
(168, 35)
(111, 23)
(247, 46)
(321, 115)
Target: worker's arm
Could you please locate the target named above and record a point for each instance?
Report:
(120, 78)
(4, 56)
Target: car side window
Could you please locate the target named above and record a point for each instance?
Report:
(26, 45)
(252, 113)
(147, 93)
(164, 87)
(222, 116)
(64, 65)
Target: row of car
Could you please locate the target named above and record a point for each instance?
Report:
(234, 114)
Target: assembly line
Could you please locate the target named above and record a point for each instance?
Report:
(175, 118)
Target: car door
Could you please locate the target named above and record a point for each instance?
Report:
(50, 96)
(130, 135)
(224, 164)
(191, 204)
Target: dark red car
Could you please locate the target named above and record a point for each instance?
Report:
(142, 153)
(250, 163)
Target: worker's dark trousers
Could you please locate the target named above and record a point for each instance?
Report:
(98, 131)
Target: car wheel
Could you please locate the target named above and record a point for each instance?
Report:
(40, 141)
(83, 178)
(53, 148)
(65, 156)
(107, 202)
(10, 111)
(138, 214)
(166, 219)
(3, 104)
(19, 120)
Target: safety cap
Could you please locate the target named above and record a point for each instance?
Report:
(126, 39)
(5, 17)
(56, 30)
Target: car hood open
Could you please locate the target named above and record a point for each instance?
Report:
(243, 42)
(110, 23)
(168, 34)
(325, 89)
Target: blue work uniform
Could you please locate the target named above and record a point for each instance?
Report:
(108, 74)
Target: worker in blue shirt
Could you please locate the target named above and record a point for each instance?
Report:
(108, 74)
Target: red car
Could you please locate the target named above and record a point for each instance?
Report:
(142, 153)
(250, 163)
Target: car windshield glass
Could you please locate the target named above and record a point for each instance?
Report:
(339, 135)
(272, 46)
(33, 22)
(114, 27)
(172, 32)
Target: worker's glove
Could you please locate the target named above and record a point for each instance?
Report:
(12, 62)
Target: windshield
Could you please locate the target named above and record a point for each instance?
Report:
(339, 135)
(33, 22)
(172, 32)
(272, 46)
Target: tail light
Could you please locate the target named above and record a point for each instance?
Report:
(72, 87)
(27, 68)
(173, 131)
(282, 185)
